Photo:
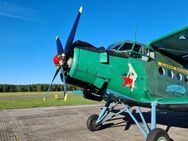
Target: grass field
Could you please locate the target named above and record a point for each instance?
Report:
(35, 99)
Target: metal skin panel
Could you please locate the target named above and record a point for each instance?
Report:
(149, 85)
(87, 67)
(167, 88)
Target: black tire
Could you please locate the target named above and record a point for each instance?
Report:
(158, 134)
(91, 123)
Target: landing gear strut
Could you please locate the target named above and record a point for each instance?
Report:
(94, 122)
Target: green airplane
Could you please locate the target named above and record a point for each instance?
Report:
(128, 74)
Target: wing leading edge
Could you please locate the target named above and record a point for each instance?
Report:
(174, 45)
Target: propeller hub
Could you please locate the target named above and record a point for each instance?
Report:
(56, 60)
(59, 60)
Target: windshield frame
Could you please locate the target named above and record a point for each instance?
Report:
(142, 51)
(117, 46)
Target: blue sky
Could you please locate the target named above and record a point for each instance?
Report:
(28, 30)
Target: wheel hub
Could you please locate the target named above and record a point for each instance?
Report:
(162, 139)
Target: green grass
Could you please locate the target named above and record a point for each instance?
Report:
(35, 99)
(15, 94)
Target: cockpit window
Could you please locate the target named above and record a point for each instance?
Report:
(115, 46)
(136, 51)
(142, 52)
(121, 46)
(126, 46)
(132, 49)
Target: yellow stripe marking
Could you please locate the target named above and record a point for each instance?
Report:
(173, 68)
(81, 9)
(65, 98)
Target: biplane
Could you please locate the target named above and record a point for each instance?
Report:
(128, 74)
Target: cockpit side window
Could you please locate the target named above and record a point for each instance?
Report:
(142, 52)
(136, 51)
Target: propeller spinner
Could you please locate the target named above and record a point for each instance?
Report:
(63, 54)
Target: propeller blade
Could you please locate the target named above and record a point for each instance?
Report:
(59, 46)
(73, 32)
(49, 88)
(62, 75)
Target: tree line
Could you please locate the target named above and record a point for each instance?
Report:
(33, 88)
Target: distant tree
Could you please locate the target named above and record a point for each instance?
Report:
(12, 88)
(1, 88)
(18, 88)
(34, 88)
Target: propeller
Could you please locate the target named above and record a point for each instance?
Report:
(63, 54)
(60, 49)
(73, 32)
(49, 88)
(63, 79)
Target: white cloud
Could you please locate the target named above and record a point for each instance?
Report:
(13, 10)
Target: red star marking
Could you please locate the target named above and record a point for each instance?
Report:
(127, 81)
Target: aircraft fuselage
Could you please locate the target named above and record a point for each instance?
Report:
(136, 77)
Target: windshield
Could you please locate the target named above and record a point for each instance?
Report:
(114, 46)
(121, 46)
(126, 46)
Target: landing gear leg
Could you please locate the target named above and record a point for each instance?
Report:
(156, 134)
(94, 122)
(152, 133)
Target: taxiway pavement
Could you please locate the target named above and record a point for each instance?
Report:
(68, 123)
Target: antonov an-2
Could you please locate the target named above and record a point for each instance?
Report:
(130, 74)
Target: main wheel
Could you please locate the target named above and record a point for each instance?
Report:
(158, 134)
(91, 123)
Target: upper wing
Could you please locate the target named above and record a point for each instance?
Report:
(174, 45)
